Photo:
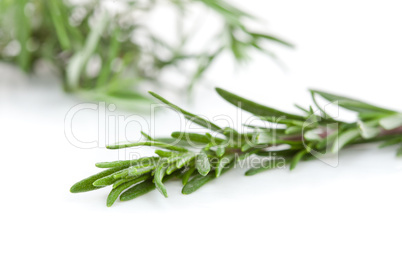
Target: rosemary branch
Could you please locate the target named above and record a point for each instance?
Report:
(106, 54)
(197, 158)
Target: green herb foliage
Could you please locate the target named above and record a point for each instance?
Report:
(107, 55)
(292, 139)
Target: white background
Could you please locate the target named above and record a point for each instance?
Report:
(315, 216)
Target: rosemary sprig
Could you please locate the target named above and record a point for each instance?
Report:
(109, 54)
(197, 158)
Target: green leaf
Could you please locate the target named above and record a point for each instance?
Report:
(225, 8)
(192, 137)
(171, 168)
(223, 162)
(109, 180)
(160, 172)
(114, 49)
(126, 162)
(391, 122)
(312, 135)
(271, 38)
(189, 116)
(262, 137)
(247, 146)
(351, 104)
(87, 184)
(296, 159)
(391, 142)
(293, 130)
(148, 143)
(267, 165)
(113, 164)
(284, 121)
(324, 114)
(367, 131)
(121, 174)
(165, 153)
(254, 108)
(302, 109)
(146, 136)
(79, 60)
(114, 194)
(220, 151)
(366, 116)
(202, 164)
(186, 158)
(187, 175)
(196, 183)
(328, 140)
(138, 190)
(141, 189)
(140, 170)
(59, 23)
(344, 138)
(127, 179)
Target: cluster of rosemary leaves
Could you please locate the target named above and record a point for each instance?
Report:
(108, 54)
(198, 158)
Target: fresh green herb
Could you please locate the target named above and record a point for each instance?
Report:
(294, 138)
(109, 52)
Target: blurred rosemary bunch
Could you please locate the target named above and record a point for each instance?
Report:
(283, 141)
(107, 50)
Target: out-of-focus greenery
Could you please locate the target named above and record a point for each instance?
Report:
(108, 53)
